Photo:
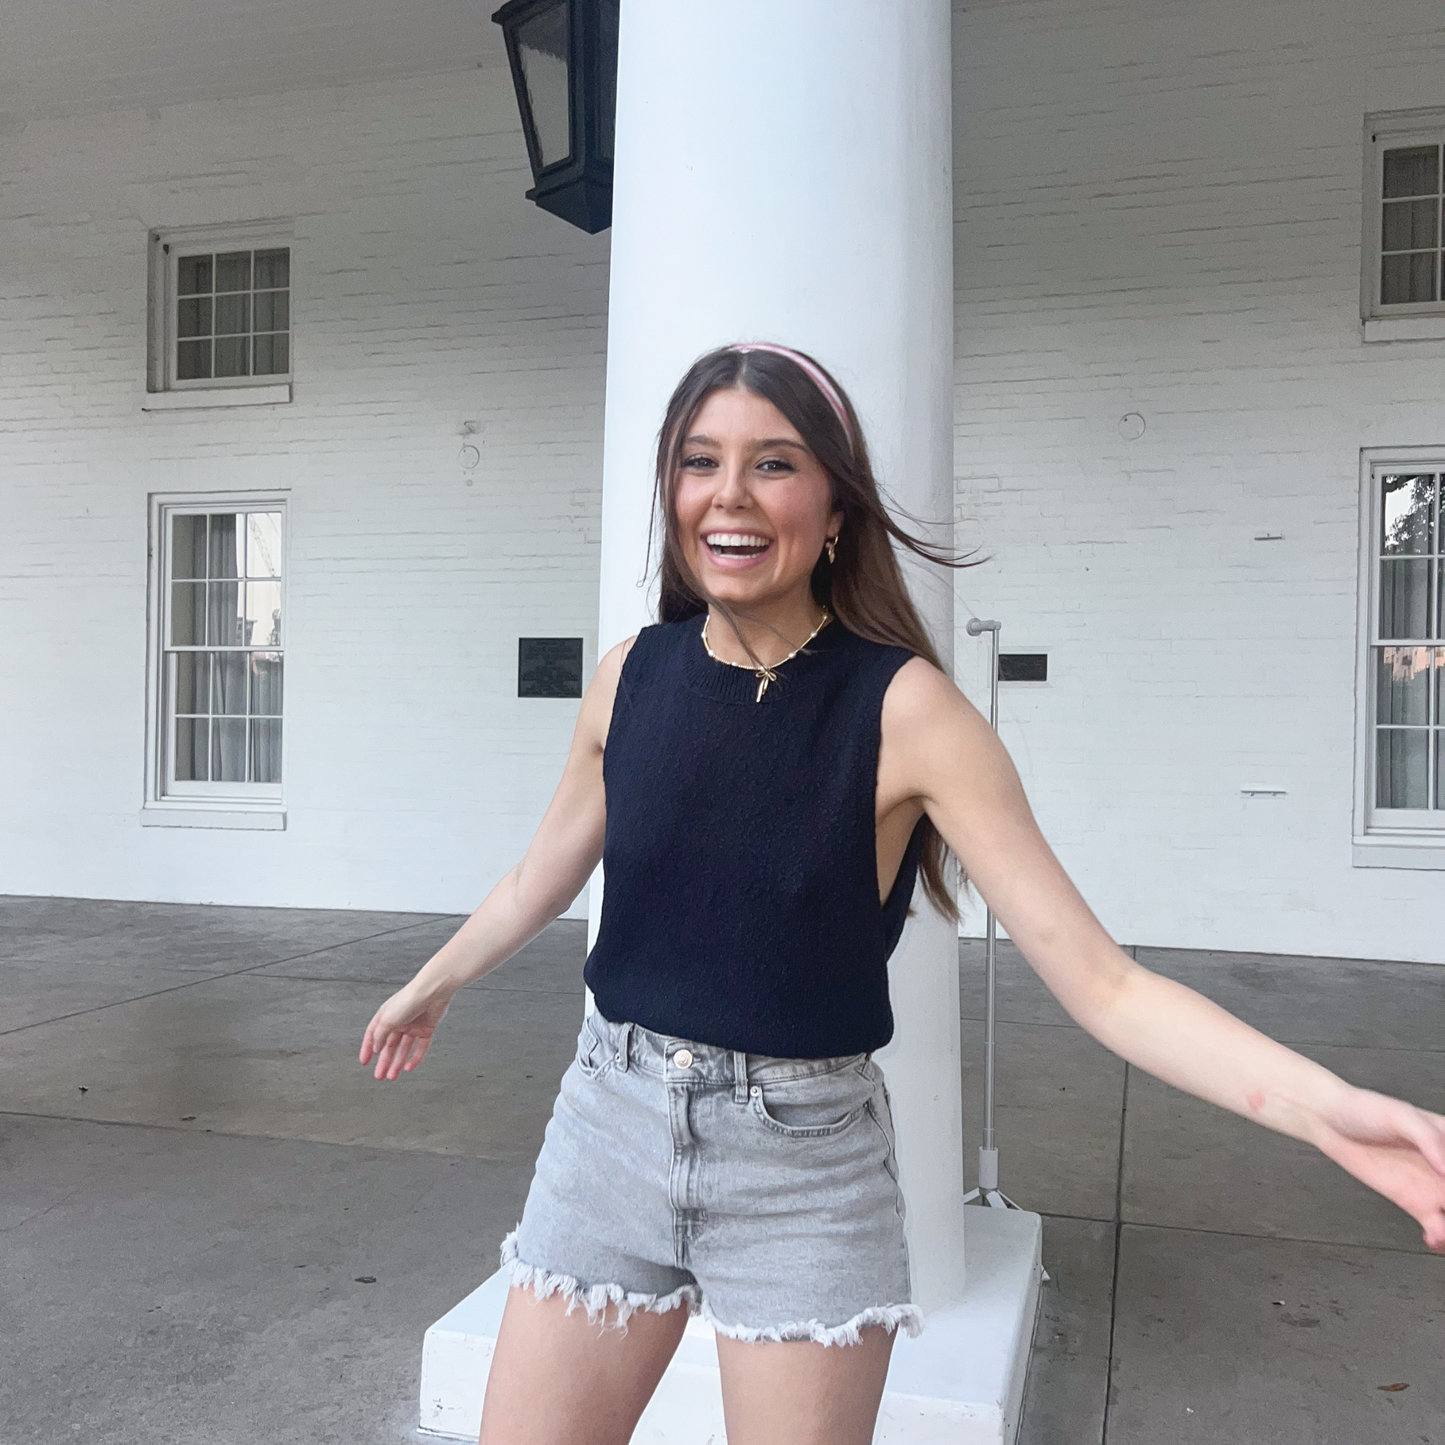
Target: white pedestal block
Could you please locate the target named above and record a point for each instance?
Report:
(961, 1382)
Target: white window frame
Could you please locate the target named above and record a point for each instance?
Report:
(1411, 321)
(1384, 837)
(164, 391)
(201, 805)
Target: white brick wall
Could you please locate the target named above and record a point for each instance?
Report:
(427, 292)
(1159, 211)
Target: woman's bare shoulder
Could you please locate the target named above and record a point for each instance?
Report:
(595, 717)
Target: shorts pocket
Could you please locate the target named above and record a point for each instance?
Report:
(813, 1106)
(595, 1052)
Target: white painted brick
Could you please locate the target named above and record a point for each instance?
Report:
(1158, 211)
(427, 292)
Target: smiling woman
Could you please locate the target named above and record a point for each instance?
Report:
(765, 772)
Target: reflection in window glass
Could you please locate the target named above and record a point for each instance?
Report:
(542, 49)
(223, 647)
(1408, 663)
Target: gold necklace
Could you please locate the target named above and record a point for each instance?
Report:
(765, 674)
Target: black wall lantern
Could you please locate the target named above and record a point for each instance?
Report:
(563, 55)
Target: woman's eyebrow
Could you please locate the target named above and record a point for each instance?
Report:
(699, 440)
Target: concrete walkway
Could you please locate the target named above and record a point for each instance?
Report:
(217, 1229)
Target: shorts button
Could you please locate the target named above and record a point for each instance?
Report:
(755, 1091)
(683, 1058)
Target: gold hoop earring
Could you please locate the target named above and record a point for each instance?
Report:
(831, 548)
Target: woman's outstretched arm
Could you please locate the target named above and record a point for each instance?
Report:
(939, 752)
(563, 852)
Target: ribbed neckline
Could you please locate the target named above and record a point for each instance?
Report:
(722, 682)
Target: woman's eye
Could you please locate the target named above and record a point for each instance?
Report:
(776, 464)
(699, 463)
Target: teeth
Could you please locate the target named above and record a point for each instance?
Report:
(735, 539)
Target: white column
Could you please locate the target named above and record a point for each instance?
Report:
(784, 173)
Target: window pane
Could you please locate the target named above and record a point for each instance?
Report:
(188, 546)
(1440, 768)
(1407, 277)
(1412, 171)
(188, 613)
(542, 49)
(263, 544)
(273, 355)
(233, 315)
(224, 622)
(1409, 225)
(193, 275)
(229, 677)
(193, 317)
(192, 746)
(263, 614)
(193, 360)
(1402, 766)
(1404, 599)
(1405, 513)
(226, 539)
(233, 356)
(273, 268)
(192, 687)
(266, 750)
(266, 683)
(233, 271)
(273, 310)
(228, 750)
(1402, 685)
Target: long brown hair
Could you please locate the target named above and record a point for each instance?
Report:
(863, 586)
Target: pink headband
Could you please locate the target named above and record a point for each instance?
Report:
(815, 372)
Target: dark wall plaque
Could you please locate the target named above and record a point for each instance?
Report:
(1023, 667)
(549, 667)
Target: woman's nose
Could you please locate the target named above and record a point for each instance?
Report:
(732, 491)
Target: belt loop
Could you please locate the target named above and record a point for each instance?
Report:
(740, 1077)
(624, 1047)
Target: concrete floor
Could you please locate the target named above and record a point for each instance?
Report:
(217, 1229)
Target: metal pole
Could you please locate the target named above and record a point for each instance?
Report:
(988, 1190)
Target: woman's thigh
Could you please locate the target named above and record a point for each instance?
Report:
(558, 1380)
(800, 1393)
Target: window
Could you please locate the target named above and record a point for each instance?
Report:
(1402, 723)
(220, 328)
(233, 315)
(1402, 283)
(219, 650)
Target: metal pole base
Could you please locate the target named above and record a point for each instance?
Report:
(988, 1192)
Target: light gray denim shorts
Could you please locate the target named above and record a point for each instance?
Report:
(762, 1192)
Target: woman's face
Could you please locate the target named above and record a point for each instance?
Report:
(751, 502)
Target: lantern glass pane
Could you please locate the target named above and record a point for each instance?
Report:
(542, 47)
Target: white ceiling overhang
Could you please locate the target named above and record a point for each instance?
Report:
(65, 57)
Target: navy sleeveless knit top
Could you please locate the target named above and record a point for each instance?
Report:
(741, 900)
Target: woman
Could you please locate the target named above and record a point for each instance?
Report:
(782, 757)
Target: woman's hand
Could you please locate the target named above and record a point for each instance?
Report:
(1395, 1148)
(401, 1031)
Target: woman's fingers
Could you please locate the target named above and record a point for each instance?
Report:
(388, 1053)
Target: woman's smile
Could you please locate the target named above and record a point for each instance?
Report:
(737, 550)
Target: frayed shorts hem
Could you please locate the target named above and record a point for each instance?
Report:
(909, 1318)
(595, 1300)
